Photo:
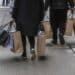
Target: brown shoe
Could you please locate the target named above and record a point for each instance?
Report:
(33, 55)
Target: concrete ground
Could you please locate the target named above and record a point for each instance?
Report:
(61, 61)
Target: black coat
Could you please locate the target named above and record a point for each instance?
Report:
(28, 14)
(59, 4)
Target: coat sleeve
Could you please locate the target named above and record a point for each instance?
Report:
(71, 3)
(41, 10)
(15, 8)
(47, 4)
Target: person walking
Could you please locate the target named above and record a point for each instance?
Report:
(58, 17)
(28, 14)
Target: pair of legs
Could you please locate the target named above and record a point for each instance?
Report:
(31, 41)
(58, 19)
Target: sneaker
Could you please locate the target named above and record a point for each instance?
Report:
(33, 55)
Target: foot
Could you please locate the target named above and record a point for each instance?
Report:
(62, 41)
(20, 58)
(33, 55)
(23, 57)
(42, 57)
(54, 42)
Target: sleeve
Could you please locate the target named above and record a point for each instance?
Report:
(15, 8)
(41, 10)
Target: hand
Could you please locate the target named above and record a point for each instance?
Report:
(11, 22)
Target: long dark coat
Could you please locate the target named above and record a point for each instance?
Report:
(28, 14)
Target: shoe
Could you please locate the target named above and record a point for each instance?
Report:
(23, 57)
(33, 55)
(62, 41)
(54, 42)
(42, 57)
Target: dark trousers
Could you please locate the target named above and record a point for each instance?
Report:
(58, 19)
(31, 41)
(7, 2)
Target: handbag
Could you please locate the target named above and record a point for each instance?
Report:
(4, 33)
(3, 37)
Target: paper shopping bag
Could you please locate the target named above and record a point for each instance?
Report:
(41, 44)
(47, 28)
(17, 42)
(69, 27)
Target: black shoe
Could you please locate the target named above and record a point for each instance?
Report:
(54, 42)
(62, 41)
(42, 57)
(23, 57)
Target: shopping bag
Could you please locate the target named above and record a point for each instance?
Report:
(69, 27)
(9, 42)
(17, 42)
(3, 37)
(4, 29)
(41, 44)
(47, 29)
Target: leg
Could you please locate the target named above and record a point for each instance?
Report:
(31, 41)
(24, 44)
(62, 25)
(32, 46)
(54, 25)
(19, 28)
